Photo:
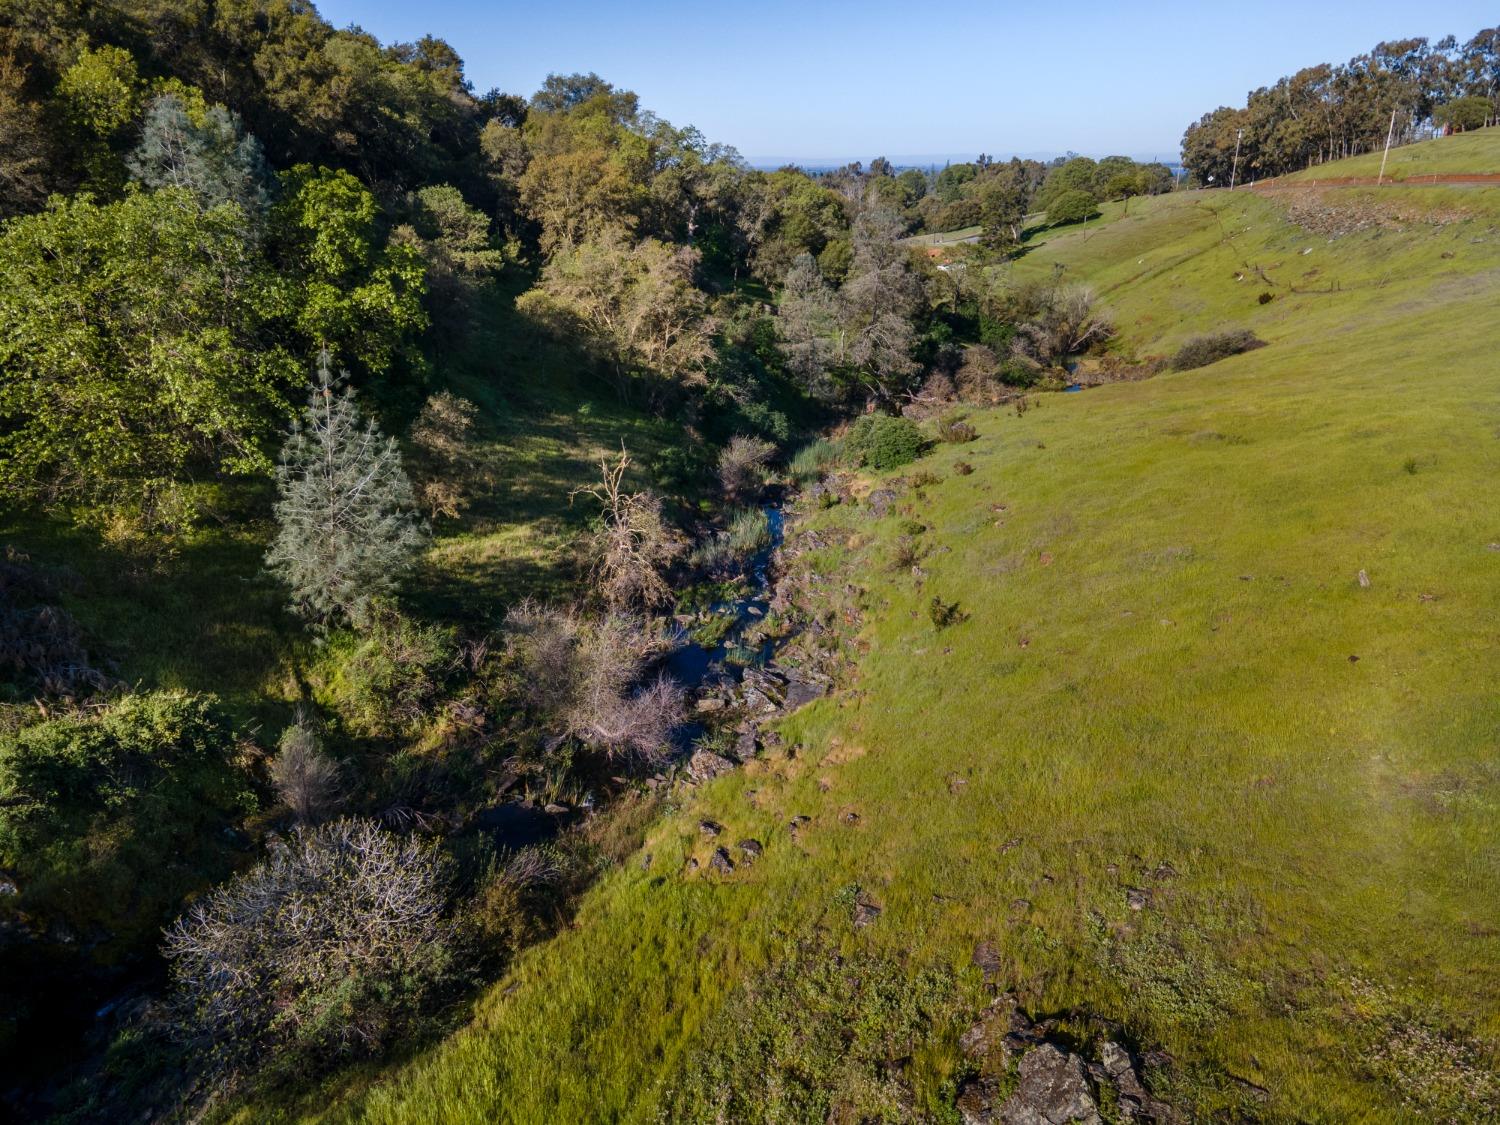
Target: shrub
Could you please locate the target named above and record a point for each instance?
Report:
(41, 646)
(440, 438)
(813, 460)
(962, 468)
(1053, 322)
(307, 780)
(883, 442)
(588, 679)
(539, 644)
(395, 674)
(611, 709)
(328, 949)
(502, 917)
(1200, 351)
(742, 466)
(107, 819)
(1266, 297)
(953, 428)
(1071, 207)
(944, 613)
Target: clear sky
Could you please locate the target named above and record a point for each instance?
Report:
(814, 80)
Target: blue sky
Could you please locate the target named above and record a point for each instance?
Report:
(843, 80)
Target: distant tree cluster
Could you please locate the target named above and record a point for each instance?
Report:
(1328, 111)
(1075, 185)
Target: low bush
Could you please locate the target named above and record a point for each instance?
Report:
(944, 613)
(393, 677)
(813, 460)
(882, 441)
(906, 552)
(742, 466)
(1200, 351)
(329, 949)
(954, 428)
(962, 468)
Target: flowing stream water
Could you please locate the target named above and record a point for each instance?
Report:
(693, 664)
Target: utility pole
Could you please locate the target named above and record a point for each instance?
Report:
(1234, 171)
(1389, 134)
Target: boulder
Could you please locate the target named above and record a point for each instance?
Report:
(986, 959)
(758, 702)
(721, 862)
(751, 849)
(745, 745)
(1053, 1090)
(880, 501)
(705, 765)
(800, 692)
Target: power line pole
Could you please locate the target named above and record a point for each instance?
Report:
(1234, 171)
(1391, 133)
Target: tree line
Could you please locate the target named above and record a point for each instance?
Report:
(1330, 111)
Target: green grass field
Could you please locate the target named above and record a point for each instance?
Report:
(1171, 680)
(1477, 151)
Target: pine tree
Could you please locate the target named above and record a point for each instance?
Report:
(347, 528)
(212, 156)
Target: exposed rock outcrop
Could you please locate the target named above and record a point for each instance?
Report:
(1029, 1074)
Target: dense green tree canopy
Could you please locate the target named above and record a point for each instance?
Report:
(137, 345)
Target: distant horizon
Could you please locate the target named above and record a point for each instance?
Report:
(938, 160)
(876, 76)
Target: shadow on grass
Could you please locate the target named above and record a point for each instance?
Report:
(203, 618)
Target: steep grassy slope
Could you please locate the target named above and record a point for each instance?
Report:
(1172, 691)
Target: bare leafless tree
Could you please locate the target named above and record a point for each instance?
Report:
(633, 546)
(308, 781)
(325, 949)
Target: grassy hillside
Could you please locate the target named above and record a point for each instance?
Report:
(1472, 152)
(1173, 691)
